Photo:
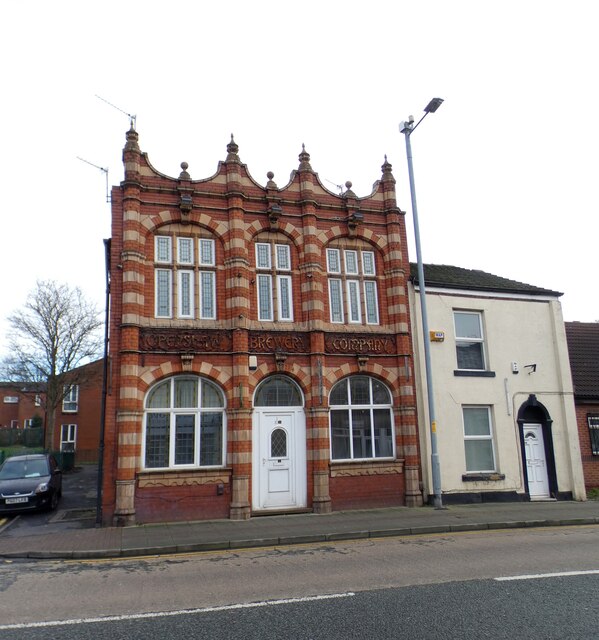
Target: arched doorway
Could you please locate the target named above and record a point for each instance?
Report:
(536, 442)
(279, 446)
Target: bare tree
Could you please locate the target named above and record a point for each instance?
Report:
(56, 332)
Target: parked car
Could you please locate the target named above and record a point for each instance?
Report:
(30, 482)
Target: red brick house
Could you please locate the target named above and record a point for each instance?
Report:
(260, 346)
(77, 420)
(21, 404)
(583, 346)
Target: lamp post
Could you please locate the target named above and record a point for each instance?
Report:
(407, 128)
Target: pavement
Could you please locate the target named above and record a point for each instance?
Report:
(71, 533)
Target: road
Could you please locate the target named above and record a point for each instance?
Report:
(435, 586)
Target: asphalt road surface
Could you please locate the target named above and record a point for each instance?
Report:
(436, 586)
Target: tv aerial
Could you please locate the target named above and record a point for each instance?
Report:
(339, 186)
(104, 170)
(132, 118)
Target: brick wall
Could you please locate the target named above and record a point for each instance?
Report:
(236, 212)
(590, 462)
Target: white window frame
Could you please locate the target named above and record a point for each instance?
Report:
(372, 408)
(263, 255)
(336, 300)
(353, 295)
(188, 299)
(71, 438)
(284, 299)
(163, 249)
(371, 308)
(350, 257)
(283, 257)
(168, 295)
(368, 263)
(207, 311)
(173, 412)
(70, 399)
(181, 242)
(354, 306)
(11, 399)
(280, 286)
(463, 340)
(206, 252)
(193, 262)
(333, 261)
(479, 437)
(264, 281)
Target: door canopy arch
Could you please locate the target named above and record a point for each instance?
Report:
(533, 411)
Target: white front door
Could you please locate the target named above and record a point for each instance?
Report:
(536, 464)
(279, 474)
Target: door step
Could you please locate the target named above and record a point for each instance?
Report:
(280, 512)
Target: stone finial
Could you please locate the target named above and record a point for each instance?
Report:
(386, 169)
(271, 184)
(132, 140)
(304, 158)
(349, 193)
(184, 175)
(232, 149)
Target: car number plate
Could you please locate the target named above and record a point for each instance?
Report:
(16, 500)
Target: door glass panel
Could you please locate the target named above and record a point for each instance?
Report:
(278, 443)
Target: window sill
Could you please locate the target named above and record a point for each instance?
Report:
(466, 373)
(183, 478)
(483, 477)
(375, 467)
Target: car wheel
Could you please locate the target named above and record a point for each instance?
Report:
(54, 501)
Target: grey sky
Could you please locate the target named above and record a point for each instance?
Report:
(505, 170)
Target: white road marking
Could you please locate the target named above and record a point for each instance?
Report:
(535, 576)
(181, 612)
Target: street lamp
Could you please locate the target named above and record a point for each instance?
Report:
(407, 128)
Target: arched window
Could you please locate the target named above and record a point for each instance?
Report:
(361, 420)
(184, 424)
(278, 391)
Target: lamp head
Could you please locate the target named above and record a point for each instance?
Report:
(433, 105)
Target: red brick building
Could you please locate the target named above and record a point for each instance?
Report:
(583, 346)
(21, 404)
(260, 349)
(77, 420)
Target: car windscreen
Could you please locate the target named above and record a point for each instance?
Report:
(13, 469)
